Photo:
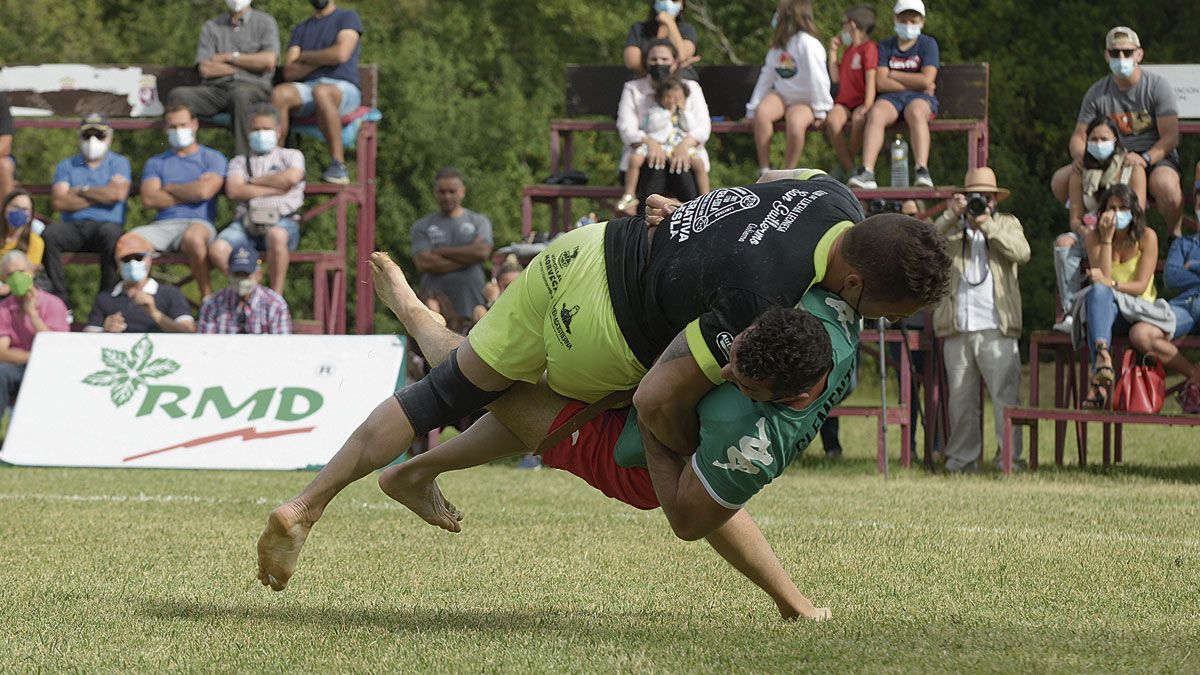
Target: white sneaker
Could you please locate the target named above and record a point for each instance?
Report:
(1065, 325)
(864, 180)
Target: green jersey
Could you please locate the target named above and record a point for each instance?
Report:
(745, 444)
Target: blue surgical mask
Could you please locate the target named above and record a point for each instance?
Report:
(263, 141)
(775, 21)
(181, 138)
(17, 219)
(1101, 150)
(672, 8)
(134, 271)
(1121, 66)
(907, 31)
(1124, 218)
(847, 38)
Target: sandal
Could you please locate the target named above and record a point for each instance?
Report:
(627, 205)
(1103, 376)
(1097, 398)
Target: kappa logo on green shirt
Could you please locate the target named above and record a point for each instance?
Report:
(750, 449)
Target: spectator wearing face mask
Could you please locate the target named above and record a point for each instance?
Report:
(89, 193)
(245, 306)
(139, 304)
(26, 312)
(664, 22)
(236, 58)
(18, 227)
(8, 165)
(268, 186)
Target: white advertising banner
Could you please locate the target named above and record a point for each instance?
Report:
(1185, 80)
(139, 89)
(197, 401)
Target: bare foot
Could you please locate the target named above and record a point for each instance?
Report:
(393, 289)
(280, 543)
(422, 497)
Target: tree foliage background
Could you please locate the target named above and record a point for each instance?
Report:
(474, 83)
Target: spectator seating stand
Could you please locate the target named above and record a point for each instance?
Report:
(594, 91)
(64, 104)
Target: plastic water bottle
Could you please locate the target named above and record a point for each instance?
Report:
(899, 162)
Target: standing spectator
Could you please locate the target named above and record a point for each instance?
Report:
(183, 184)
(8, 165)
(665, 22)
(139, 304)
(980, 318)
(906, 79)
(320, 72)
(1146, 113)
(18, 230)
(26, 312)
(236, 57)
(450, 246)
(663, 174)
(854, 78)
(268, 187)
(245, 306)
(668, 124)
(793, 84)
(89, 193)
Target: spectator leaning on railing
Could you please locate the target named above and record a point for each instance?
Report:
(139, 304)
(245, 306)
(26, 312)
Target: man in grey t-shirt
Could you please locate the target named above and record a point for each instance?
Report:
(450, 245)
(236, 57)
(1144, 109)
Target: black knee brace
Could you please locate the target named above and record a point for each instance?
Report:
(445, 395)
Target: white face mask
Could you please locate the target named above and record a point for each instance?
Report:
(92, 149)
(236, 6)
(245, 287)
(181, 138)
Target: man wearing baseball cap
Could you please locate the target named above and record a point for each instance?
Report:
(139, 304)
(245, 306)
(1146, 114)
(89, 193)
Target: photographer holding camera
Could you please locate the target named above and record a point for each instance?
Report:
(980, 318)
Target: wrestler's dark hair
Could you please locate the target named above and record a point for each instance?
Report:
(787, 347)
(899, 258)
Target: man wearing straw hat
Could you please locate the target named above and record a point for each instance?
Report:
(980, 319)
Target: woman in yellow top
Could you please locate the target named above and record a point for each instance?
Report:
(1124, 252)
(18, 227)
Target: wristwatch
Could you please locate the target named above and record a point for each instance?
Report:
(1114, 284)
(84, 190)
(234, 57)
(1146, 156)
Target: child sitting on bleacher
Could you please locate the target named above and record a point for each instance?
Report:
(855, 80)
(667, 123)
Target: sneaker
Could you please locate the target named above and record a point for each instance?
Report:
(1019, 464)
(1189, 398)
(336, 174)
(627, 204)
(833, 453)
(863, 179)
(922, 178)
(762, 171)
(1065, 325)
(529, 462)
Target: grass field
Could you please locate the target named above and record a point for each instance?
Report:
(1068, 570)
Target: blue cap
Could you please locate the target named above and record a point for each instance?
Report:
(243, 260)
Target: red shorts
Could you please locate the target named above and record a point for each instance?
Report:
(588, 453)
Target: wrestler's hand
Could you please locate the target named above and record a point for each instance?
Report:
(659, 208)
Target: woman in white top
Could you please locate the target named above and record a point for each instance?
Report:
(793, 84)
(668, 175)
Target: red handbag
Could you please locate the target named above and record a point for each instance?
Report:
(1142, 388)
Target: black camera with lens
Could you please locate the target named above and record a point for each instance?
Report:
(877, 206)
(977, 204)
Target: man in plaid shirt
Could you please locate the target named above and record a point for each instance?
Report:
(245, 306)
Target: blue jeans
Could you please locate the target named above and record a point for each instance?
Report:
(351, 96)
(11, 375)
(235, 233)
(1103, 318)
(1187, 315)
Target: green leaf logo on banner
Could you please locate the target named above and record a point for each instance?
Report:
(126, 373)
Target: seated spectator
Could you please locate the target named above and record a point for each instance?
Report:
(245, 306)
(854, 78)
(509, 271)
(1123, 252)
(268, 187)
(668, 175)
(139, 304)
(236, 58)
(1182, 273)
(1146, 113)
(183, 184)
(1104, 166)
(18, 231)
(89, 193)
(26, 312)
(8, 165)
(320, 72)
(793, 84)
(668, 124)
(906, 80)
(449, 246)
(665, 22)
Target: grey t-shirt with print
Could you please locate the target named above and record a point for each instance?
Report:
(464, 287)
(1135, 112)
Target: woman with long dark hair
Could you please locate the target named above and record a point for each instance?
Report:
(18, 227)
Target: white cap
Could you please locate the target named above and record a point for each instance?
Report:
(909, 6)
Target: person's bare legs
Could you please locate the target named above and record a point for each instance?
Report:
(858, 121)
(916, 115)
(278, 258)
(1060, 183)
(1149, 339)
(798, 119)
(8, 173)
(835, 124)
(195, 249)
(1168, 197)
(218, 255)
(327, 99)
(703, 185)
(882, 115)
(769, 110)
(285, 97)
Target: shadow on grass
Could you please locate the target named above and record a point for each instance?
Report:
(1171, 473)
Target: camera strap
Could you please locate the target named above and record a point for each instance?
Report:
(966, 254)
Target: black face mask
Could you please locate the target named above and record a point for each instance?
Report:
(319, 4)
(658, 72)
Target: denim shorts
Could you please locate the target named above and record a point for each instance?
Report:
(235, 234)
(1187, 315)
(351, 96)
(901, 99)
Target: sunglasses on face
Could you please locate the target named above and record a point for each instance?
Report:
(93, 133)
(134, 256)
(1121, 53)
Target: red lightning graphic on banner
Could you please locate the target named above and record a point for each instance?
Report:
(247, 434)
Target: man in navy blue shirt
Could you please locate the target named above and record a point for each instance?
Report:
(139, 304)
(320, 70)
(89, 194)
(183, 184)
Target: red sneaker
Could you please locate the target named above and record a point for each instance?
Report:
(1189, 398)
